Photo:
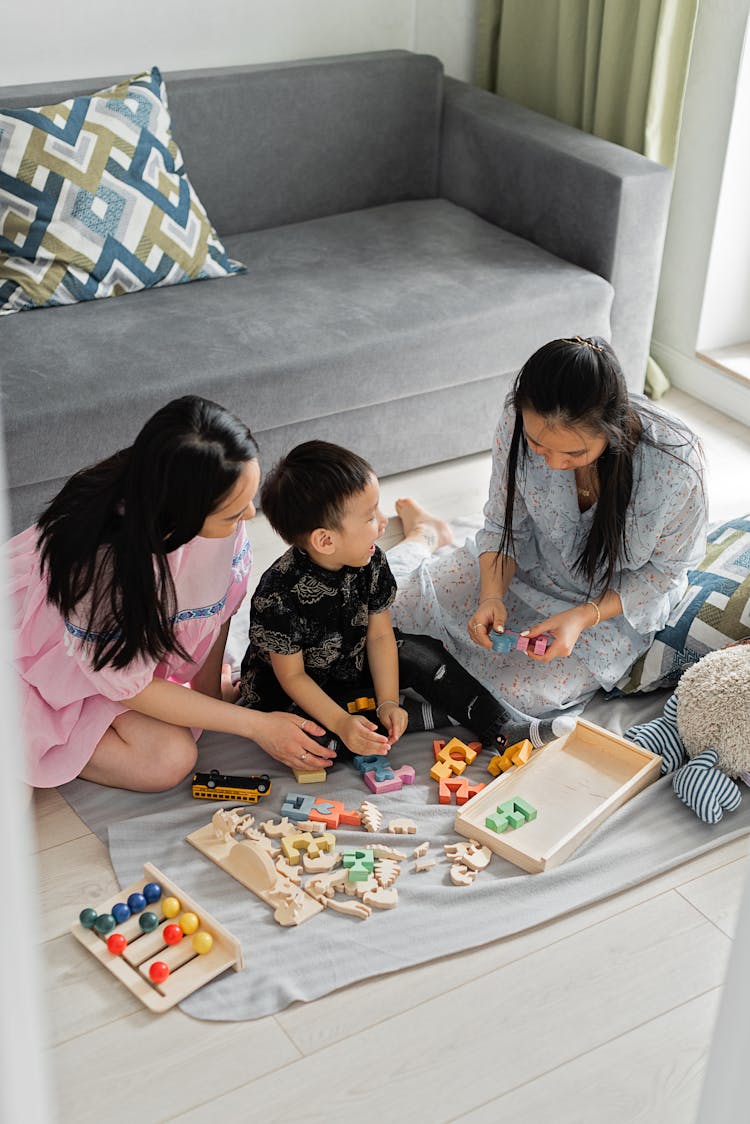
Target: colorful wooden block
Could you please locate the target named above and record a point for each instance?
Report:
(452, 759)
(363, 703)
(458, 787)
(317, 776)
(359, 864)
(333, 813)
(521, 752)
(373, 763)
(510, 641)
(402, 776)
(510, 814)
(296, 806)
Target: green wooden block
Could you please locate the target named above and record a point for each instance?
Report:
(496, 822)
(515, 818)
(529, 811)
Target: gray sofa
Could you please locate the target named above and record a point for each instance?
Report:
(409, 241)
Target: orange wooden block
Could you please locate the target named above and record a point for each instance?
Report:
(458, 787)
(523, 751)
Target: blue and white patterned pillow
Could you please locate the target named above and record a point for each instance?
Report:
(714, 611)
(95, 201)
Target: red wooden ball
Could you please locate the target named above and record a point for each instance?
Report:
(172, 934)
(158, 971)
(117, 944)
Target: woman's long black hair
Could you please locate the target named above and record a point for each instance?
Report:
(104, 539)
(578, 384)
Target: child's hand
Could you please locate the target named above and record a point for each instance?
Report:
(394, 718)
(230, 691)
(361, 736)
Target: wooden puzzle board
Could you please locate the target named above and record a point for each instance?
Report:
(575, 783)
(188, 970)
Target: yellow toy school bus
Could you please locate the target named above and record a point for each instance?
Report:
(219, 786)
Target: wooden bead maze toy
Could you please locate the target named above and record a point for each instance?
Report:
(157, 941)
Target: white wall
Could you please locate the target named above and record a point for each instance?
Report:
(88, 38)
(726, 307)
(707, 117)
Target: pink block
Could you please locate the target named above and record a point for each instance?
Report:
(540, 646)
(522, 643)
(402, 776)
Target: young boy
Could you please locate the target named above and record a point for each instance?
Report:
(320, 630)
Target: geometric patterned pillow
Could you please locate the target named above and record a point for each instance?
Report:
(95, 201)
(714, 611)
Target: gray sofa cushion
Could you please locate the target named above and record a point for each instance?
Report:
(365, 308)
(285, 142)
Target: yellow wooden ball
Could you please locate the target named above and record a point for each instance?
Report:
(170, 907)
(189, 923)
(203, 942)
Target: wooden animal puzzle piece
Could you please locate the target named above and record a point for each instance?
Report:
(458, 787)
(382, 897)
(285, 868)
(462, 875)
(321, 863)
(471, 854)
(402, 826)
(424, 863)
(371, 816)
(251, 865)
(276, 830)
(420, 851)
(510, 814)
(380, 851)
(226, 822)
(386, 871)
(190, 963)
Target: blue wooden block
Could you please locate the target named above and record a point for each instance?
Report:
(374, 763)
(297, 806)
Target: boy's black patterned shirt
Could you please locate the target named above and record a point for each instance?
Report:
(302, 607)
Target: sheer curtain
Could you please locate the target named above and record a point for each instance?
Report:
(615, 68)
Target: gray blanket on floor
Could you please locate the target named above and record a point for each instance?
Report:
(434, 918)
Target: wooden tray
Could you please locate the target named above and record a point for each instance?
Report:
(575, 783)
(188, 970)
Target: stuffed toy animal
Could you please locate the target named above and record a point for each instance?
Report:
(704, 733)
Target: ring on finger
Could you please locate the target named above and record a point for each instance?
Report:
(302, 727)
(303, 756)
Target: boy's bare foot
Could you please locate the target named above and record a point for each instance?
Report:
(421, 526)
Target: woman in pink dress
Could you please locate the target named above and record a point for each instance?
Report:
(122, 595)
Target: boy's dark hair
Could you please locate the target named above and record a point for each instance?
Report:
(309, 488)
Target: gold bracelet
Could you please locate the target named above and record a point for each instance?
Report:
(598, 613)
(486, 599)
(392, 701)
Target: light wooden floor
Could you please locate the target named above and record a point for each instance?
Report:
(603, 1015)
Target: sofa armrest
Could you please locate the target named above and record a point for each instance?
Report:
(590, 202)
